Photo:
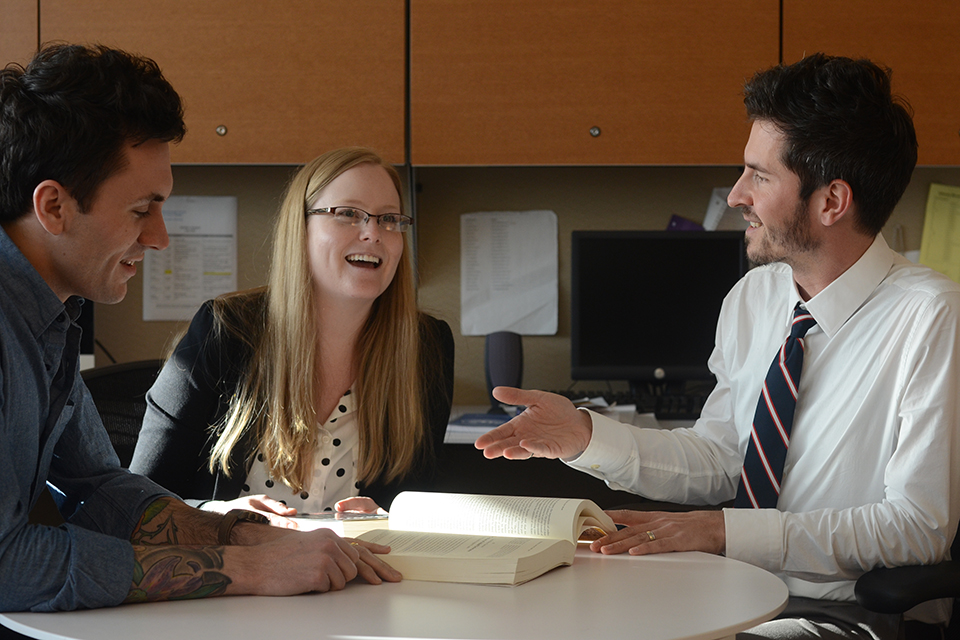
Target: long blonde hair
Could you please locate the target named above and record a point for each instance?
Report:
(277, 394)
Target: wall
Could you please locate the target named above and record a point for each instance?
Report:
(120, 328)
(582, 197)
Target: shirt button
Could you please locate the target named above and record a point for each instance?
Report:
(327, 439)
(594, 466)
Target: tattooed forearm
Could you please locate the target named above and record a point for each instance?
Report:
(177, 573)
(170, 562)
(157, 525)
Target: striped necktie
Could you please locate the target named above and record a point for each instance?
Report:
(770, 436)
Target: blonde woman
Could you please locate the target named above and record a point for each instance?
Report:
(326, 385)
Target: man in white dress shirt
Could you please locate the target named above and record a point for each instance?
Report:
(867, 475)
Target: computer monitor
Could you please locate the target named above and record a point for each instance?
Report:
(645, 303)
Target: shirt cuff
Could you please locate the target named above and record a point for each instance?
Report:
(755, 536)
(611, 446)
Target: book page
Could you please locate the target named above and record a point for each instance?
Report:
(452, 545)
(561, 518)
(450, 557)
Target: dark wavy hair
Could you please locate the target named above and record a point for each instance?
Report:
(840, 121)
(69, 114)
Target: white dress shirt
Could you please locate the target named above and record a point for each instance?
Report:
(868, 478)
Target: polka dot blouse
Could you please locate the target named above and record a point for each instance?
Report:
(335, 469)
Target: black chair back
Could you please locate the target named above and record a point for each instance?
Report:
(119, 391)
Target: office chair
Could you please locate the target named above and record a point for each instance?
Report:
(899, 589)
(119, 391)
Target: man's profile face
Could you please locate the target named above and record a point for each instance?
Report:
(103, 244)
(768, 194)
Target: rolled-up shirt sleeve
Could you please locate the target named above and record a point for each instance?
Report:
(88, 561)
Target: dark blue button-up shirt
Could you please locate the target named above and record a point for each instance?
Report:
(51, 434)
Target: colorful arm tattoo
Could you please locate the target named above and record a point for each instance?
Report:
(165, 569)
(177, 573)
(156, 526)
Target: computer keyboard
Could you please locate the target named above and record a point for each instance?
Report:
(672, 407)
(665, 406)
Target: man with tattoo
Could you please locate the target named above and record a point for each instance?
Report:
(84, 171)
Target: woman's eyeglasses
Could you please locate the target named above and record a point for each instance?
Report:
(355, 217)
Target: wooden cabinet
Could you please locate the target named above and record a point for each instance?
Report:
(18, 31)
(275, 81)
(916, 40)
(514, 82)
(497, 82)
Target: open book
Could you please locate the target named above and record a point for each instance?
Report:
(449, 537)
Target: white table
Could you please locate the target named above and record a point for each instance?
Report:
(664, 597)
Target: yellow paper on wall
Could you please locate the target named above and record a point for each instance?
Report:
(940, 246)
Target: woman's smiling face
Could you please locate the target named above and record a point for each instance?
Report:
(354, 263)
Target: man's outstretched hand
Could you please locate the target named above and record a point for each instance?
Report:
(549, 427)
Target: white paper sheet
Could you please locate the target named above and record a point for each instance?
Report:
(940, 244)
(199, 264)
(508, 272)
(719, 216)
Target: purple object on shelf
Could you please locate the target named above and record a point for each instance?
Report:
(679, 223)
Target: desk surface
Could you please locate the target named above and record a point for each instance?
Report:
(667, 597)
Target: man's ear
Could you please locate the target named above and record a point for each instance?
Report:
(837, 202)
(53, 206)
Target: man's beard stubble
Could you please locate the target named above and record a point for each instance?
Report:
(782, 244)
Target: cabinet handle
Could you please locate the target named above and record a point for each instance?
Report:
(595, 131)
(221, 130)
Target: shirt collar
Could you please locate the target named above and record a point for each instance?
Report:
(38, 303)
(346, 406)
(837, 303)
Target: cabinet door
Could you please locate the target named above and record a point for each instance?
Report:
(273, 81)
(918, 41)
(18, 31)
(503, 82)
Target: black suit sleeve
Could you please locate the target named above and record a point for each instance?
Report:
(438, 392)
(189, 396)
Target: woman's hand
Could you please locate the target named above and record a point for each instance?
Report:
(276, 511)
(360, 504)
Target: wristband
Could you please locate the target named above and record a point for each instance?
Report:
(230, 520)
